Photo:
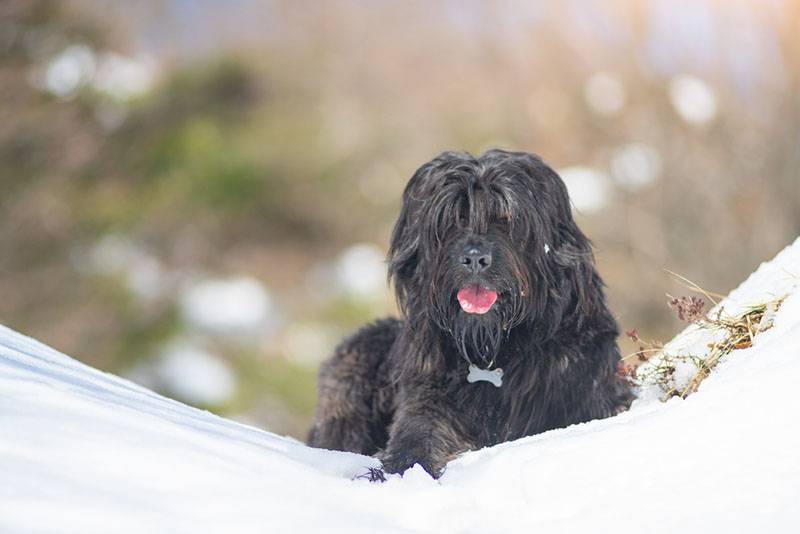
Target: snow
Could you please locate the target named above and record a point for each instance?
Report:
(117, 255)
(70, 70)
(361, 270)
(693, 99)
(123, 77)
(118, 76)
(228, 306)
(772, 281)
(588, 188)
(635, 165)
(83, 451)
(184, 368)
(604, 93)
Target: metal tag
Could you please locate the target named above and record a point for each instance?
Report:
(494, 376)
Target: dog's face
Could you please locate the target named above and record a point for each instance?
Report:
(483, 245)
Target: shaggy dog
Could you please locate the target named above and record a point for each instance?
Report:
(506, 331)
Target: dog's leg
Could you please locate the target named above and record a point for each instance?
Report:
(353, 410)
(609, 394)
(592, 391)
(346, 418)
(426, 431)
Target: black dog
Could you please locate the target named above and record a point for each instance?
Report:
(506, 330)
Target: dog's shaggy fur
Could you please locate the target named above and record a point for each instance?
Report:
(397, 388)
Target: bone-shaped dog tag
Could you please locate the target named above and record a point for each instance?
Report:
(484, 375)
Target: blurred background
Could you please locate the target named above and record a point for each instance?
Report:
(197, 195)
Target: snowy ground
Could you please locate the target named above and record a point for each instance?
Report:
(82, 451)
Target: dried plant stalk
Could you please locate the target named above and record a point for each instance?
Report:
(737, 332)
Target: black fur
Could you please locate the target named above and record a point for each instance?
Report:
(398, 389)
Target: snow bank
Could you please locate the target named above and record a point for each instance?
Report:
(82, 451)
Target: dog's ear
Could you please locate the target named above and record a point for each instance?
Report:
(573, 254)
(582, 288)
(415, 231)
(404, 250)
(404, 246)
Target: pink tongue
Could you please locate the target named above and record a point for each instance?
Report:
(476, 299)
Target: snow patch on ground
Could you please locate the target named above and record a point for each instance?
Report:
(772, 281)
(83, 451)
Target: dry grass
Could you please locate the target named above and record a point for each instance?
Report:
(733, 332)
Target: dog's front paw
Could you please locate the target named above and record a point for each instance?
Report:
(397, 465)
(400, 462)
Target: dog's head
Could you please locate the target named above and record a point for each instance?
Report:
(485, 244)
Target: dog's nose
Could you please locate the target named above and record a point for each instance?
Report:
(476, 260)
